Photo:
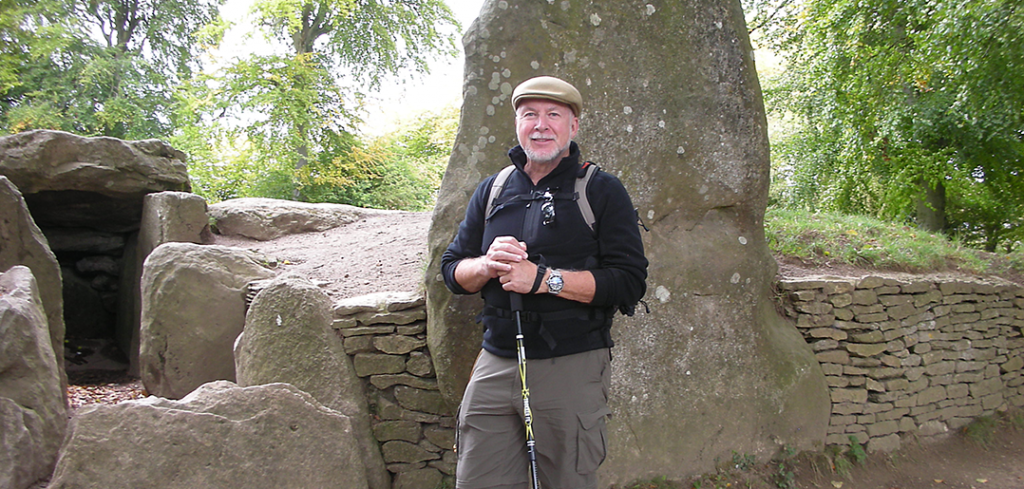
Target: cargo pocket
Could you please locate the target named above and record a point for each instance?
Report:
(591, 446)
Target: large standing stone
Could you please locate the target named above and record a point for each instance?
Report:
(193, 309)
(712, 368)
(22, 243)
(33, 415)
(167, 217)
(97, 183)
(273, 436)
(288, 338)
(265, 219)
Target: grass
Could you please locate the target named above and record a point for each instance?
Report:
(985, 429)
(831, 238)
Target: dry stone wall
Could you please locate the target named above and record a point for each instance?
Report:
(386, 336)
(911, 356)
(902, 357)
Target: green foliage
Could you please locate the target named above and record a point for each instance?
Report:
(742, 461)
(843, 461)
(293, 115)
(97, 68)
(855, 451)
(899, 108)
(831, 237)
(982, 430)
(783, 476)
(400, 170)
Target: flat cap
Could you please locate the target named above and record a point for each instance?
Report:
(550, 88)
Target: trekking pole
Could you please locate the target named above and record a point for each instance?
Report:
(531, 451)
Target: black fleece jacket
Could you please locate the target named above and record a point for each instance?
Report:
(613, 252)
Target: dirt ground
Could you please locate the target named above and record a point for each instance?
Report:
(387, 253)
(380, 253)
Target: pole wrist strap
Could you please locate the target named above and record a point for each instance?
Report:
(541, 270)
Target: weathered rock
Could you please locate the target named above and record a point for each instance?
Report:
(265, 219)
(288, 338)
(193, 309)
(22, 243)
(221, 435)
(33, 415)
(84, 241)
(98, 182)
(167, 217)
(713, 341)
(379, 303)
(416, 479)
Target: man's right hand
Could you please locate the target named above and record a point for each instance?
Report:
(503, 252)
(473, 273)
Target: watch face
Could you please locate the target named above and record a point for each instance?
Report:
(555, 283)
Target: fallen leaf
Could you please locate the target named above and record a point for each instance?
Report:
(837, 484)
(981, 480)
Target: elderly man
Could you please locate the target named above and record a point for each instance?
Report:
(566, 239)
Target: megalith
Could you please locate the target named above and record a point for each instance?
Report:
(270, 436)
(672, 106)
(193, 309)
(81, 182)
(22, 243)
(265, 219)
(86, 195)
(33, 414)
(167, 217)
(288, 338)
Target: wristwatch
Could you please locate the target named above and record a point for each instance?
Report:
(555, 282)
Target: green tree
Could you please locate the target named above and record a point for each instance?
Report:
(906, 109)
(101, 67)
(399, 170)
(300, 107)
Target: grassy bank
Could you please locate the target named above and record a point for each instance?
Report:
(817, 239)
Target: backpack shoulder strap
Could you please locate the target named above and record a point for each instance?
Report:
(581, 193)
(496, 187)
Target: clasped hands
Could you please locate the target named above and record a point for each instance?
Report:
(506, 260)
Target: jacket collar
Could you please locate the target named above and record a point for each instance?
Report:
(570, 163)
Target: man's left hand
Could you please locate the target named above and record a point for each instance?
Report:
(520, 279)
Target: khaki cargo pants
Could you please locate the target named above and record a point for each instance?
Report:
(569, 400)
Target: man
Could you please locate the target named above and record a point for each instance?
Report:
(536, 242)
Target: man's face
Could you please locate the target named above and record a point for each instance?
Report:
(545, 128)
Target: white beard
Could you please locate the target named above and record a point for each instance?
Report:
(552, 156)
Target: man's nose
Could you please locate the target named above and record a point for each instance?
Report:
(541, 123)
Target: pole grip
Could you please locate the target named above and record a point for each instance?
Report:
(516, 301)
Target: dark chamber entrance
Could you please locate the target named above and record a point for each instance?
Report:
(89, 234)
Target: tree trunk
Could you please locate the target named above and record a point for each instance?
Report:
(931, 210)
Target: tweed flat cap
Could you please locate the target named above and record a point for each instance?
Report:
(550, 88)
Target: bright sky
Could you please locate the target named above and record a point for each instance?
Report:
(441, 88)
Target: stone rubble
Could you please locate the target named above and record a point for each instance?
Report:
(915, 357)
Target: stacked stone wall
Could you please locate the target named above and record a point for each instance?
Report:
(385, 334)
(914, 357)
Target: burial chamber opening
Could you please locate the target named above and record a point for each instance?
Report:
(90, 233)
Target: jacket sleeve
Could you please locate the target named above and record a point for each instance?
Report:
(620, 279)
(467, 242)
